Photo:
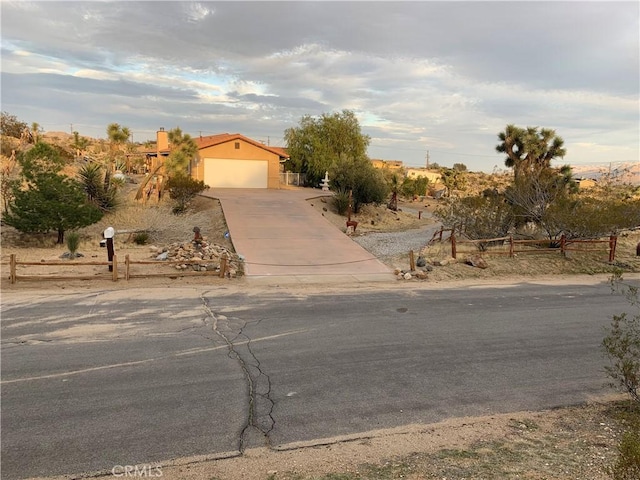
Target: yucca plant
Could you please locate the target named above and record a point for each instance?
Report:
(73, 243)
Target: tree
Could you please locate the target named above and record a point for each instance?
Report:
(51, 202)
(183, 150)
(358, 175)
(529, 150)
(80, 144)
(45, 200)
(318, 144)
(10, 126)
(453, 179)
(118, 137)
(461, 167)
(35, 132)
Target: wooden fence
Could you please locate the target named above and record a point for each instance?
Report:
(575, 245)
(113, 267)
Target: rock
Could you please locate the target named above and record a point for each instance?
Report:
(163, 256)
(153, 249)
(428, 268)
(421, 275)
(407, 276)
(397, 271)
(476, 261)
(421, 262)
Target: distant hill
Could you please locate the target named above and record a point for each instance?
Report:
(628, 172)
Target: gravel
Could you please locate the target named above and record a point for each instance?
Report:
(388, 244)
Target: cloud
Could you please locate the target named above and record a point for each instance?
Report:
(444, 76)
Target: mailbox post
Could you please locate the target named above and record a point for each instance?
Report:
(108, 234)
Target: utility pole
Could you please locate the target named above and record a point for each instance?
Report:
(71, 125)
(427, 157)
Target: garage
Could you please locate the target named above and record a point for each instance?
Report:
(235, 173)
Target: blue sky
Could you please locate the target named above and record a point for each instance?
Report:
(443, 77)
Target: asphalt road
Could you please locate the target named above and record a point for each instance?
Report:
(94, 380)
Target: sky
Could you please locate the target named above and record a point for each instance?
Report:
(421, 76)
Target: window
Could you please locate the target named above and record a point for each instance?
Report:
(237, 145)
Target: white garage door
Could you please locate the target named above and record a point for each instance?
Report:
(230, 173)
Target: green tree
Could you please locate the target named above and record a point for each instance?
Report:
(45, 200)
(529, 149)
(36, 130)
(41, 158)
(359, 176)
(51, 202)
(317, 145)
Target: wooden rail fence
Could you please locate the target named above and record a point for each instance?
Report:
(113, 269)
(564, 245)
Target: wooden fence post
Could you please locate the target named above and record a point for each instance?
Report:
(412, 261)
(114, 264)
(12, 272)
(453, 245)
(127, 266)
(563, 244)
(223, 266)
(510, 246)
(613, 240)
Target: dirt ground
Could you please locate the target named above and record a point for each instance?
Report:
(576, 442)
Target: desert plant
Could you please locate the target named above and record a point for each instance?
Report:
(183, 189)
(73, 243)
(141, 238)
(621, 345)
(627, 465)
(341, 201)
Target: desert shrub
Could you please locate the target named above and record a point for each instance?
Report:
(341, 201)
(477, 217)
(141, 238)
(621, 345)
(183, 189)
(73, 243)
(627, 464)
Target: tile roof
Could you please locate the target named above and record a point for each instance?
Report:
(211, 140)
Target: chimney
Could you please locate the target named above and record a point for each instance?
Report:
(162, 138)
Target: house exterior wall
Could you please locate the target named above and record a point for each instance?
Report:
(246, 151)
(433, 177)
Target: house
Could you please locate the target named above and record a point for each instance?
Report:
(393, 165)
(586, 183)
(433, 177)
(229, 160)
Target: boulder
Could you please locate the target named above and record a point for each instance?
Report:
(476, 261)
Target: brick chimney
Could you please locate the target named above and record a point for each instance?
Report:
(162, 140)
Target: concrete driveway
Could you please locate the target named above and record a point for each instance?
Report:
(281, 235)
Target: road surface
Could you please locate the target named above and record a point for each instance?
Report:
(98, 379)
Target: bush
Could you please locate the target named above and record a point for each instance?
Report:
(341, 201)
(183, 189)
(141, 238)
(362, 178)
(73, 243)
(627, 466)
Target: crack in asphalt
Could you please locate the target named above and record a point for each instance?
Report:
(260, 407)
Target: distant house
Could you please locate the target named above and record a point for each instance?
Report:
(586, 183)
(392, 165)
(433, 177)
(229, 160)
